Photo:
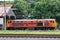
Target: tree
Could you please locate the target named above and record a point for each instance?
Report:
(46, 8)
(6, 2)
(21, 7)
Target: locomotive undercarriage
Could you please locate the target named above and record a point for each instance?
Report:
(34, 28)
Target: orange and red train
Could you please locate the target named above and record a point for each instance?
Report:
(32, 23)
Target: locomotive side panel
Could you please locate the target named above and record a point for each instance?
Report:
(32, 23)
(50, 23)
(43, 23)
(16, 23)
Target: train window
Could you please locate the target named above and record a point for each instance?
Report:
(17, 21)
(21, 21)
(31, 21)
(40, 24)
(39, 21)
(52, 21)
(9, 21)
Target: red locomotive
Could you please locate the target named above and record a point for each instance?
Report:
(32, 23)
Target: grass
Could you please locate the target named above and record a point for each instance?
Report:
(29, 32)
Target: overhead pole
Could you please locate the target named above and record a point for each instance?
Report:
(29, 9)
(4, 27)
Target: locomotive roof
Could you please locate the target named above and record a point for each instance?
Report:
(32, 19)
(25, 19)
(46, 19)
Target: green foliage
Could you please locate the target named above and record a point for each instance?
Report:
(21, 7)
(6, 2)
(38, 8)
(1, 2)
(30, 32)
(46, 8)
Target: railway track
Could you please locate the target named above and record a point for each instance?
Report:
(30, 35)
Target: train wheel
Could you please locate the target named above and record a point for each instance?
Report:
(23, 28)
(14, 28)
(46, 28)
(7, 28)
(10, 28)
(20, 28)
(51, 28)
(37, 28)
(30, 28)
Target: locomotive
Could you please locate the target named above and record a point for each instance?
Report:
(32, 24)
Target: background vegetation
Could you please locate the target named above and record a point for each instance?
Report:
(37, 9)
